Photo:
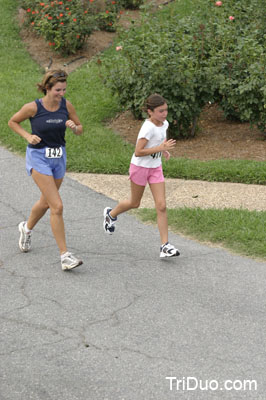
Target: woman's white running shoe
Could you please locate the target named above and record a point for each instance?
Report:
(25, 238)
(69, 261)
(168, 250)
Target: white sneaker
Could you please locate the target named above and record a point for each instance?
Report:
(168, 250)
(25, 238)
(69, 261)
(108, 222)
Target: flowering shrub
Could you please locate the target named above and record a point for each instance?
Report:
(217, 54)
(107, 16)
(64, 24)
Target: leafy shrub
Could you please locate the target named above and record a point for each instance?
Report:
(107, 15)
(64, 24)
(216, 54)
(238, 61)
(166, 60)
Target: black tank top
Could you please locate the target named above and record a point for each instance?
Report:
(50, 126)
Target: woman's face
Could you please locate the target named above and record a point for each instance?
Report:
(57, 91)
(159, 114)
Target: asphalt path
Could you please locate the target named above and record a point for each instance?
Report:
(125, 325)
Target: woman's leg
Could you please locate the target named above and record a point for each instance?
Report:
(50, 196)
(158, 192)
(133, 202)
(40, 207)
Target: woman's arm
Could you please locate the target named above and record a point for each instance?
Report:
(26, 112)
(141, 150)
(73, 122)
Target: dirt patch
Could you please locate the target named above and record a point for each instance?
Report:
(217, 138)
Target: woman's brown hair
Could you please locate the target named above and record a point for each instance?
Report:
(51, 78)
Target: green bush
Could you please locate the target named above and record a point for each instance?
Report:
(215, 54)
(238, 60)
(64, 24)
(169, 59)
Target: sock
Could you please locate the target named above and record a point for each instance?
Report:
(64, 255)
(26, 228)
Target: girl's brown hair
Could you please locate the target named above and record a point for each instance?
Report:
(51, 78)
(153, 101)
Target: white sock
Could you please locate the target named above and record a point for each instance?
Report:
(27, 229)
(64, 255)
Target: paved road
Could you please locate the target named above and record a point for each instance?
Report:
(117, 327)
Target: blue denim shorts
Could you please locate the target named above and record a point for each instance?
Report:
(35, 159)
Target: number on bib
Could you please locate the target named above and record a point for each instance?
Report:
(53, 152)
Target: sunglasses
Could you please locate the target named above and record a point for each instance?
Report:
(57, 75)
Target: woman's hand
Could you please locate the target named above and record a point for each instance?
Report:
(71, 124)
(33, 139)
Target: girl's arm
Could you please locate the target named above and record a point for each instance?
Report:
(141, 150)
(73, 122)
(26, 112)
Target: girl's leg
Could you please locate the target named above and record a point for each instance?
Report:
(133, 202)
(158, 192)
(50, 196)
(40, 207)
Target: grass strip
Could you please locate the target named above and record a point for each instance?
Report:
(242, 231)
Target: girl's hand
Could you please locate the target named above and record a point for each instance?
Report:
(34, 139)
(166, 155)
(71, 124)
(168, 144)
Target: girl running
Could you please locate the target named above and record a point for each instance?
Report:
(146, 167)
(46, 157)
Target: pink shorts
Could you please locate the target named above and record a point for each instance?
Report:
(141, 176)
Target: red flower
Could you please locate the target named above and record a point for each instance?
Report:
(61, 23)
(78, 36)
(61, 15)
(42, 4)
(107, 12)
(50, 17)
(74, 19)
(28, 10)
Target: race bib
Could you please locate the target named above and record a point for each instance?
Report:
(156, 155)
(53, 152)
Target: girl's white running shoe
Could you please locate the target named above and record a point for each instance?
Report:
(168, 250)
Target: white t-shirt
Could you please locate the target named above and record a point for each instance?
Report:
(155, 136)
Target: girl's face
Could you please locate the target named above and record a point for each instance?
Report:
(159, 114)
(57, 91)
